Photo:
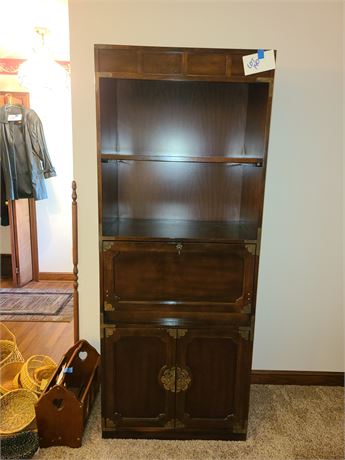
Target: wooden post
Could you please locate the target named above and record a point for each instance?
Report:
(75, 260)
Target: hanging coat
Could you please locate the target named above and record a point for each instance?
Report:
(23, 153)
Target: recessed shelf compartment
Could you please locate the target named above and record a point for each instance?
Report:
(199, 200)
(183, 119)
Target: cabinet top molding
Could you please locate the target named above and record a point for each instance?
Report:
(151, 62)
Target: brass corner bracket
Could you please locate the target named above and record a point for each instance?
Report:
(251, 248)
(107, 245)
(108, 306)
(177, 333)
(174, 423)
(247, 308)
(107, 331)
(247, 332)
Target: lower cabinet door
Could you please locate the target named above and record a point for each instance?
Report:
(213, 379)
(138, 381)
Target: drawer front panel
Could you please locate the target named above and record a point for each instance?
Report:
(142, 274)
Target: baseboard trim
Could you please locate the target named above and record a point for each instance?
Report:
(60, 276)
(297, 378)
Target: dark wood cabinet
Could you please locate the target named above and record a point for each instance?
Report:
(165, 381)
(182, 151)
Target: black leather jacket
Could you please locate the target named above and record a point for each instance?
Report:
(23, 153)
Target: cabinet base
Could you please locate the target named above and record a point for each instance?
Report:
(208, 435)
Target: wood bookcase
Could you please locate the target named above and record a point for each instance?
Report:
(182, 151)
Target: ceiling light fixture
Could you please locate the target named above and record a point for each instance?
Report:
(41, 71)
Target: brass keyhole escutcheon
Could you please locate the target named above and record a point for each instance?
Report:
(179, 247)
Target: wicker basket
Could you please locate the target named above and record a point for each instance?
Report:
(42, 375)
(8, 347)
(17, 411)
(19, 445)
(16, 381)
(30, 368)
(8, 372)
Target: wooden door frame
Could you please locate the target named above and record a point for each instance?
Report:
(33, 238)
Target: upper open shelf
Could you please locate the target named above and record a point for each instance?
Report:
(183, 120)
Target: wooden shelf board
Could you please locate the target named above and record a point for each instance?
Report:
(258, 161)
(170, 229)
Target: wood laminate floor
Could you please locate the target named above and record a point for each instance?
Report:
(47, 338)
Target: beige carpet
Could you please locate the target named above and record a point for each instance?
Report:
(18, 304)
(285, 422)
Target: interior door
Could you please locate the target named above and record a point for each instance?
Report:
(22, 217)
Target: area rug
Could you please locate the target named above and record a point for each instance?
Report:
(37, 305)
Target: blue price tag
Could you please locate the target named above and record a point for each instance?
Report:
(261, 54)
(68, 370)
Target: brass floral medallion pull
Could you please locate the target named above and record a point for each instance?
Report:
(167, 376)
(183, 379)
(175, 379)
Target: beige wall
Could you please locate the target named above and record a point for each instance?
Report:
(299, 311)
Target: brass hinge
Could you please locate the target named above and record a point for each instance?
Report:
(108, 306)
(17, 271)
(177, 333)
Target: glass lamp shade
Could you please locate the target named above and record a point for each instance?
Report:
(41, 71)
